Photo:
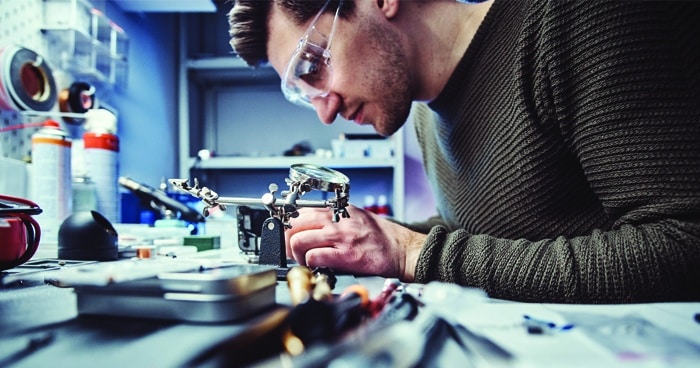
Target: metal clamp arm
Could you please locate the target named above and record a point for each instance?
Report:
(303, 178)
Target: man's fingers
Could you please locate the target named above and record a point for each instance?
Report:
(309, 219)
(330, 257)
(301, 242)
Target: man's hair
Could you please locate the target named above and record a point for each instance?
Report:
(248, 23)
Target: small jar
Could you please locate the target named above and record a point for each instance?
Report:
(84, 194)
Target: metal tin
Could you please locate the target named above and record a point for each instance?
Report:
(227, 293)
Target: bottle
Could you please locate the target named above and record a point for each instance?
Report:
(84, 194)
(383, 208)
(169, 217)
(84, 189)
(101, 150)
(50, 184)
(370, 204)
(169, 220)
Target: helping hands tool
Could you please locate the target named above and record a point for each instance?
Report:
(303, 178)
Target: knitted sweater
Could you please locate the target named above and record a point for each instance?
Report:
(564, 154)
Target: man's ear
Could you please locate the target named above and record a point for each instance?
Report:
(388, 7)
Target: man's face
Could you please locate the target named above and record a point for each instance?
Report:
(370, 78)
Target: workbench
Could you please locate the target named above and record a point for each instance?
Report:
(40, 327)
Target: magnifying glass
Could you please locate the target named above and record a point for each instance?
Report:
(319, 177)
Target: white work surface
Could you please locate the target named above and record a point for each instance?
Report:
(662, 335)
(631, 335)
(634, 335)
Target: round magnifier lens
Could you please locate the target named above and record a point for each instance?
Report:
(319, 177)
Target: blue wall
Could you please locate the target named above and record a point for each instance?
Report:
(148, 104)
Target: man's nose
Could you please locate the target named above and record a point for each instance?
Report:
(326, 107)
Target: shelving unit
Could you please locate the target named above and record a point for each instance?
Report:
(79, 43)
(84, 42)
(239, 114)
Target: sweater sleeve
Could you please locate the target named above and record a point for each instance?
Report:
(622, 85)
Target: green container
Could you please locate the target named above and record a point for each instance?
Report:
(203, 242)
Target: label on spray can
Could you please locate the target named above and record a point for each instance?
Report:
(51, 180)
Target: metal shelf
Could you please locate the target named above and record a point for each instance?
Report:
(169, 6)
(218, 62)
(284, 162)
(228, 69)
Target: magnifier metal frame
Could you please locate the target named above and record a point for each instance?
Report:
(319, 177)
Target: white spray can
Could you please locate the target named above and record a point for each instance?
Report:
(101, 150)
(50, 185)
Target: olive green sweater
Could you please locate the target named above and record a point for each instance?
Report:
(564, 154)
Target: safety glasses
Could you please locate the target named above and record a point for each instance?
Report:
(309, 71)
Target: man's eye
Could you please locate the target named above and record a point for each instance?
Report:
(310, 70)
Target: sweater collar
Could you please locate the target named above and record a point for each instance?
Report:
(446, 98)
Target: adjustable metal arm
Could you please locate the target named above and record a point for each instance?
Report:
(302, 179)
(278, 209)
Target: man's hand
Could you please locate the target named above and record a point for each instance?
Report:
(362, 244)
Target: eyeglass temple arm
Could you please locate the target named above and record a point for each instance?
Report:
(337, 12)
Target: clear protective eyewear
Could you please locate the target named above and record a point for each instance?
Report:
(309, 71)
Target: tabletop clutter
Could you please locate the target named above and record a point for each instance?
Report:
(244, 314)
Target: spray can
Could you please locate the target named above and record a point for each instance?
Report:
(50, 184)
(101, 157)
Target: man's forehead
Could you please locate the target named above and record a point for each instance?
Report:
(283, 35)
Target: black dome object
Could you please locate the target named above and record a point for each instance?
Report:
(87, 236)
